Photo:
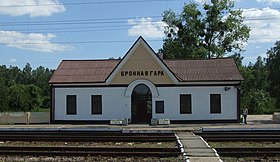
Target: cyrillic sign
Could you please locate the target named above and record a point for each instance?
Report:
(142, 73)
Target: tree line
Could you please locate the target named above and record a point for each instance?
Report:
(260, 91)
(24, 90)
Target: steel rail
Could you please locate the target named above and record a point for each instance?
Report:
(85, 136)
(238, 133)
(75, 133)
(242, 139)
(240, 136)
(249, 152)
(89, 151)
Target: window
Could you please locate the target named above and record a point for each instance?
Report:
(159, 107)
(215, 103)
(96, 104)
(185, 104)
(71, 107)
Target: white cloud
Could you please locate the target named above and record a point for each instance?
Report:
(269, 1)
(12, 60)
(201, 1)
(264, 24)
(146, 27)
(32, 41)
(209, 1)
(33, 7)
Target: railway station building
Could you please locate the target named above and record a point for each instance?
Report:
(142, 86)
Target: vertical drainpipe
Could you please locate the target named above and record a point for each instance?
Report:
(52, 104)
(238, 103)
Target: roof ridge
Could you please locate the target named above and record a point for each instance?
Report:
(197, 59)
(95, 60)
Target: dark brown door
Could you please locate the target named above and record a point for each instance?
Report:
(141, 104)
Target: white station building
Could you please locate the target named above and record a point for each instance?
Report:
(141, 86)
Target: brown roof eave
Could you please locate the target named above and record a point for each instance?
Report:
(211, 80)
(77, 82)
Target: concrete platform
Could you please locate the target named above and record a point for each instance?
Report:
(254, 121)
(196, 149)
(203, 159)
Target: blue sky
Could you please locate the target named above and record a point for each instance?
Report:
(44, 32)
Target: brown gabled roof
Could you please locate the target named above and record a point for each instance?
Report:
(222, 69)
(83, 71)
(96, 71)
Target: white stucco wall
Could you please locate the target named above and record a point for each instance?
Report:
(115, 105)
(200, 103)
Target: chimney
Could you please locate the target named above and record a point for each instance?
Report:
(160, 55)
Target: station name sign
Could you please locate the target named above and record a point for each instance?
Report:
(142, 73)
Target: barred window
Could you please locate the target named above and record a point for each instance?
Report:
(96, 104)
(159, 107)
(185, 104)
(215, 103)
(71, 105)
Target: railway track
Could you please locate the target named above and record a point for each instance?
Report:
(89, 151)
(87, 136)
(249, 152)
(240, 136)
(243, 136)
(84, 136)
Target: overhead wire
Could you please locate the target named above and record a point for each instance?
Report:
(90, 24)
(99, 41)
(116, 19)
(100, 21)
(87, 3)
(114, 23)
(85, 42)
(99, 2)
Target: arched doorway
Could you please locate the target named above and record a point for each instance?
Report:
(141, 104)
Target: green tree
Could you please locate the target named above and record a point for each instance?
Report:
(34, 95)
(260, 71)
(203, 34)
(258, 101)
(238, 59)
(27, 74)
(41, 78)
(3, 74)
(273, 62)
(24, 90)
(18, 98)
(255, 88)
(14, 75)
(4, 92)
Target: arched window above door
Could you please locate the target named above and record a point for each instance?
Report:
(150, 85)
